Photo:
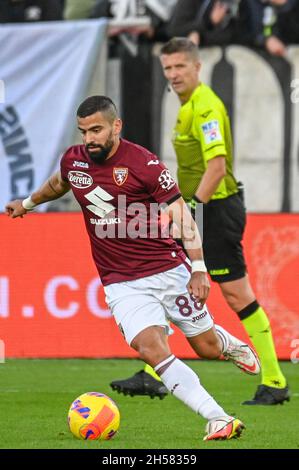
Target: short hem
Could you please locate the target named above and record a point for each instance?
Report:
(166, 327)
(228, 277)
(199, 333)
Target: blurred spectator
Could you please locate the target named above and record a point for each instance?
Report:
(158, 11)
(12, 11)
(133, 8)
(163, 8)
(288, 24)
(78, 9)
(270, 24)
(209, 22)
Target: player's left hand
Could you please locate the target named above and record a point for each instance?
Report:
(199, 286)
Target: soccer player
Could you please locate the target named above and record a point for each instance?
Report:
(146, 275)
(203, 146)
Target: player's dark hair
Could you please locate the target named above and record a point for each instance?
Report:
(93, 104)
(180, 45)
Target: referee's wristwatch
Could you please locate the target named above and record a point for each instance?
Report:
(194, 201)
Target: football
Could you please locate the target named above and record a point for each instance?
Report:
(93, 416)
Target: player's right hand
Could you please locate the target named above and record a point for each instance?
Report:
(199, 286)
(15, 209)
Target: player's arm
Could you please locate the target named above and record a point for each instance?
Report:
(54, 188)
(216, 170)
(180, 216)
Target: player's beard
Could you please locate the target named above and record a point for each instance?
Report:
(100, 156)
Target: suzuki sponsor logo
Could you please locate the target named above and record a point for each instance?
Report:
(79, 179)
(111, 221)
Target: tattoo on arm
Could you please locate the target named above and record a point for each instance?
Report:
(51, 186)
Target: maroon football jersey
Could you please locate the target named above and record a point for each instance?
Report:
(120, 201)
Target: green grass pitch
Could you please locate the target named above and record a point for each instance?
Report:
(36, 395)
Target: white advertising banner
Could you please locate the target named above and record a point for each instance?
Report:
(45, 72)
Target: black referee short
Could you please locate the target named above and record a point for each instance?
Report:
(224, 222)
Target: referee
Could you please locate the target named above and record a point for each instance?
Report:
(203, 146)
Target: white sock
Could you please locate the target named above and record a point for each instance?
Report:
(224, 337)
(184, 384)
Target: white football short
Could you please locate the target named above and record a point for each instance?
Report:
(155, 301)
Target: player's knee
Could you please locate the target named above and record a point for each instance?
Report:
(152, 346)
(233, 300)
(238, 294)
